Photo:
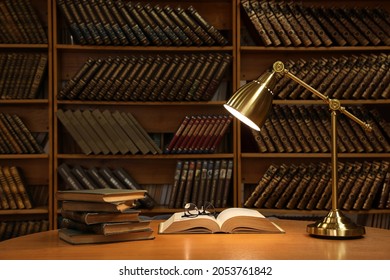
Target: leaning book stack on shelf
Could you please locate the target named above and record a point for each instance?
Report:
(102, 216)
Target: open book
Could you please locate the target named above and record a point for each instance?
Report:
(231, 220)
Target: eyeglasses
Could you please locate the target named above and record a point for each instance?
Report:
(192, 211)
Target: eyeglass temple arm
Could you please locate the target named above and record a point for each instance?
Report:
(334, 104)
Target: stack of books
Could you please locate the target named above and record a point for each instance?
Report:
(102, 216)
(287, 23)
(77, 177)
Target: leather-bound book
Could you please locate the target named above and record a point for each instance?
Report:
(82, 176)
(71, 21)
(64, 170)
(94, 24)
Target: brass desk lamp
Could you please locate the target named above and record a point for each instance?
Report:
(251, 105)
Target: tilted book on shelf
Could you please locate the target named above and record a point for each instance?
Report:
(231, 220)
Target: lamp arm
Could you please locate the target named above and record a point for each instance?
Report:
(334, 104)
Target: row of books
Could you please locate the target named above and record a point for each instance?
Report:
(15, 137)
(361, 186)
(160, 193)
(80, 178)
(381, 220)
(201, 181)
(84, 225)
(199, 134)
(179, 77)
(106, 22)
(106, 132)
(364, 76)
(13, 193)
(287, 23)
(306, 129)
(22, 75)
(20, 23)
(11, 229)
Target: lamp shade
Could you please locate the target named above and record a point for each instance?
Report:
(252, 102)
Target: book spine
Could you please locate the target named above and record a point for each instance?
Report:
(176, 183)
(260, 13)
(80, 173)
(94, 173)
(210, 29)
(68, 177)
(173, 14)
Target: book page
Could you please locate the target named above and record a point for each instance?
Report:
(232, 212)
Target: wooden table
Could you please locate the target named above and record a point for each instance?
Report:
(295, 244)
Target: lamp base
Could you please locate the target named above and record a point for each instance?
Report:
(335, 225)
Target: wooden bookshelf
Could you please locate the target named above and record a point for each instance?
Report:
(36, 114)
(252, 60)
(159, 117)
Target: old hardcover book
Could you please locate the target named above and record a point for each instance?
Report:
(273, 183)
(176, 183)
(74, 11)
(173, 14)
(131, 131)
(286, 24)
(107, 228)
(376, 186)
(84, 206)
(20, 185)
(101, 146)
(231, 220)
(355, 189)
(135, 27)
(100, 131)
(197, 28)
(90, 20)
(257, 24)
(182, 184)
(152, 22)
(86, 149)
(69, 178)
(301, 187)
(80, 237)
(112, 28)
(13, 187)
(261, 15)
(368, 184)
(281, 33)
(128, 144)
(80, 125)
(122, 24)
(276, 140)
(210, 29)
(112, 180)
(82, 176)
(73, 25)
(159, 20)
(172, 25)
(130, 183)
(384, 192)
(101, 195)
(143, 24)
(12, 203)
(94, 173)
(189, 182)
(90, 218)
(281, 132)
(280, 188)
(9, 136)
